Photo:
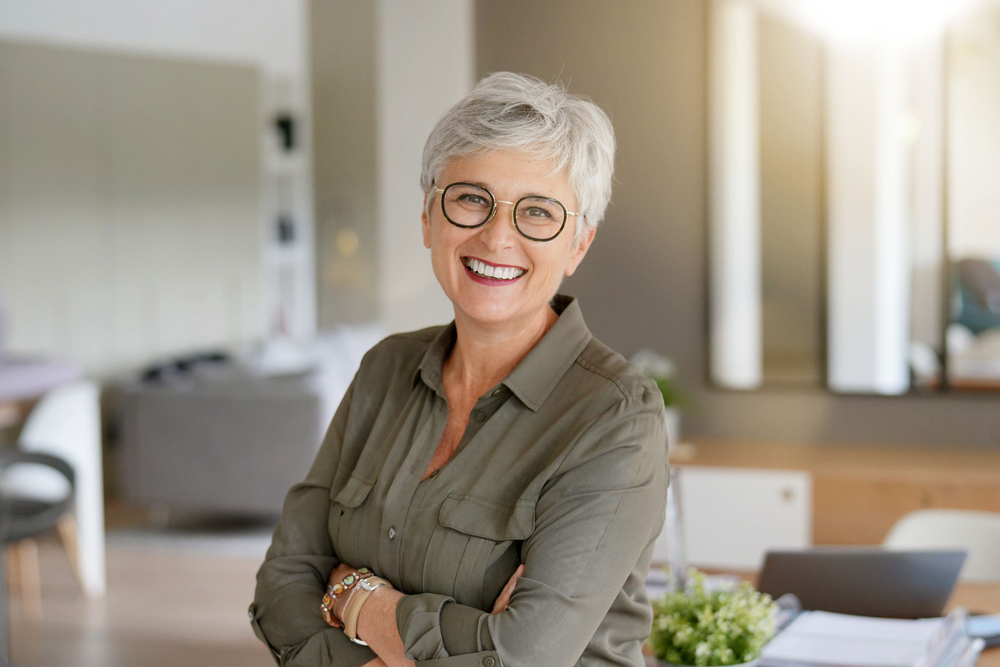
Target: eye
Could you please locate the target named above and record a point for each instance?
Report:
(536, 212)
(473, 200)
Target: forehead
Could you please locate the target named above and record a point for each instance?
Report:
(508, 174)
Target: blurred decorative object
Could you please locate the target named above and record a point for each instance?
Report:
(925, 366)
(727, 625)
(975, 531)
(285, 126)
(663, 371)
(66, 423)
(286, 229)
(973, 336)
(979, 293)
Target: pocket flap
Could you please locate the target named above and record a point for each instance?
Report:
(354, 492)
(482, 518)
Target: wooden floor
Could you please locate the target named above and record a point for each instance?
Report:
(163, 607)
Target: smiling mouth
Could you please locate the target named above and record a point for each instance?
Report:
(484, 270)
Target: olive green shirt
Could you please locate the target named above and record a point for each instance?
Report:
(563, 467)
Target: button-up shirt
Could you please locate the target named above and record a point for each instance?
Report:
(562, 467)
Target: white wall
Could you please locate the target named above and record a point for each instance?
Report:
(974, 136)
(268, 33)
(129, 216)
(268, 37)
(425, 64)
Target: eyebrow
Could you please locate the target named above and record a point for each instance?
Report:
(530, 194)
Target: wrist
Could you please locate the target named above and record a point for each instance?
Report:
(379, 611)
(358, 600)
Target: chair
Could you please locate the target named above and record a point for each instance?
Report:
(977, 532)
(24, 518)
(66, 423)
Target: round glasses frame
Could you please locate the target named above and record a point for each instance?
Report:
(513, 211)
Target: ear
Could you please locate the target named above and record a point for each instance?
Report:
(425, 224)
(576, 256)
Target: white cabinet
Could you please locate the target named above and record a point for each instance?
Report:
(730, 517)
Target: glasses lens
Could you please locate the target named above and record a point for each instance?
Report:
(466, 205)
(540, 218)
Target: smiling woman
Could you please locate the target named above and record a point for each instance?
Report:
(489, 491)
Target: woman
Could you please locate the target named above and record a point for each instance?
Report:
(505, 463)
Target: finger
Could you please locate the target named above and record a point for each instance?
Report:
(503, 599)
(517, 573)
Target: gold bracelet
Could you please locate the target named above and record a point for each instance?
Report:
(352, 610)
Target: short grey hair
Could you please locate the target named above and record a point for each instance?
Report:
(519, 113)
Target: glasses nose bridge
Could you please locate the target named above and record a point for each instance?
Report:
(496, 207)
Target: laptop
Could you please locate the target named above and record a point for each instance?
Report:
(865, 581)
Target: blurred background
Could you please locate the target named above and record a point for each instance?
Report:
(209, 210)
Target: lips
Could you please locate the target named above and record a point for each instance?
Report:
(481, 269)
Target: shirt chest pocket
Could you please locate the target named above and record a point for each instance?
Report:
(474, 535)
(347, 519)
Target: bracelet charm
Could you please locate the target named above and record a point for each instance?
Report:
(336, 591)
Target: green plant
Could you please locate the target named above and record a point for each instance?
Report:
(672, 396)
(717, 627)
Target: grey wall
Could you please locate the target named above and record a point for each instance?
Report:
(643, 283)
(342, 53)
(384, 72)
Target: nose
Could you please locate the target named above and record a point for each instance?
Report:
(500, 232)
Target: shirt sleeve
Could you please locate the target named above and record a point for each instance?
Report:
(593, 522)
(285, 613)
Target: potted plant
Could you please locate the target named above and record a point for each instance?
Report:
(722, 626)
(663, 372)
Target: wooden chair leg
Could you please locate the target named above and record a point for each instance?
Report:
(68, 533)
(13, 571)
(30, 581)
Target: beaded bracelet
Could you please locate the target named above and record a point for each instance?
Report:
(336, 591)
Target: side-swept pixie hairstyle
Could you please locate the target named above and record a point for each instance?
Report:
(519, 113)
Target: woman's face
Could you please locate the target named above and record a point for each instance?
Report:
(539, 267)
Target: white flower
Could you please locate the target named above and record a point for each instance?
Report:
(654, 365)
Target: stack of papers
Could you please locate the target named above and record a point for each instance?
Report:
(823, 639)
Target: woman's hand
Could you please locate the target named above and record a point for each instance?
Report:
(504, 598)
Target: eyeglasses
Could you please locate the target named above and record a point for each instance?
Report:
(469, 206)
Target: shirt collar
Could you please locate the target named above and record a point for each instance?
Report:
(538, 373)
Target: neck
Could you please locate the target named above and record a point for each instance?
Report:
(484, 355)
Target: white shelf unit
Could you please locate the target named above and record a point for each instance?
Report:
(287, 225)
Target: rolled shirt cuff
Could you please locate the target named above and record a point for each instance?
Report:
(464, 630)
(418, 618)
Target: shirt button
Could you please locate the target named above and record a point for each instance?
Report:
(250, 614)
(498, 392)
(480, 416)
(392, 533)
(488, 661)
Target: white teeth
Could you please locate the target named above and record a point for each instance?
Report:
(495, 272)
